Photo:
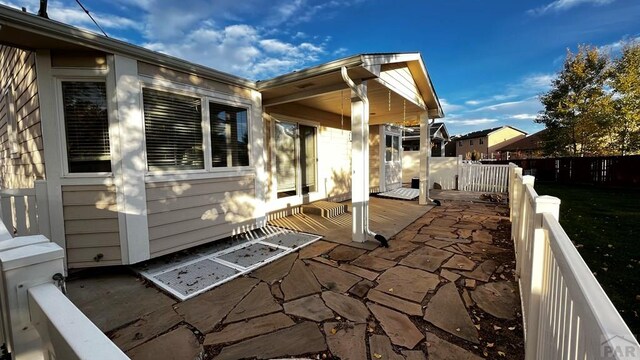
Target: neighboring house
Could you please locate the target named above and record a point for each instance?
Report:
(439, 139)
(145, 154)
(530, 147)
(487, 142)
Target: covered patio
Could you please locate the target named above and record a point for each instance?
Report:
(444, 288)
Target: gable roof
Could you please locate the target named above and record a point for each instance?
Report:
(414, 132)
(486, 132)
(532, 142)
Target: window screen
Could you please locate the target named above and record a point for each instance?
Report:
(86, 126)
(173, 130)
(392, 148)
(229, 136)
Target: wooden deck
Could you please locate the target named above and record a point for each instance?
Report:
(387, 217)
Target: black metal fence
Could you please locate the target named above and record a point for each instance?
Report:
(605, 170)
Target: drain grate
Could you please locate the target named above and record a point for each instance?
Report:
(401, 193)
(192, 272)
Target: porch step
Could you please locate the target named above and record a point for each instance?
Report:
(326, 209)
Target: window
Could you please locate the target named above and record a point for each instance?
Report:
(392, 148)
(229, 135)
(86, 126)
(459, 143)
(173, 130)
(481, 141)
(471, 142)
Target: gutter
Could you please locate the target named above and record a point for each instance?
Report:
(363, 97)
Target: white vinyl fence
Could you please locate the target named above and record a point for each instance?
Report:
(25, 211)
(566, 313)
(483, 177)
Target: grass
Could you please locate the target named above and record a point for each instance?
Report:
(604, 224)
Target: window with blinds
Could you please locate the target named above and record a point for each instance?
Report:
(392, 152)
(229, 135)
(173, 130)
(86, 126)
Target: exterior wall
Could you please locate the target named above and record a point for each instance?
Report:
(19, 169)
(467, 147)
(91, 225)
(334, 162)
(442, 170)
(182, 214)
(503, 137)
(374, 158)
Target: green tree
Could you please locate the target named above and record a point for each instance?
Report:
(625, 83)
(577, 107)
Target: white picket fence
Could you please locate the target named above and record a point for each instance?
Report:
(26, 211)
(482, 177)
(38, 321)
(566, 314)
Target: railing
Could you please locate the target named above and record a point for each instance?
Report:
(566, 314)
(38, 321)
(26, 211)
(481, 177)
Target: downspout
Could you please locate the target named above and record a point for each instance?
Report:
(431, 121)
(363, 97)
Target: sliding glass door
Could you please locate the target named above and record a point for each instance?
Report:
(296, 158)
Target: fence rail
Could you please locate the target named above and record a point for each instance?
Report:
(26, 211)
(480, 177)
(566, 314)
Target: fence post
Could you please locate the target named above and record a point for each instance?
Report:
(542, 204)
(521, 221)
(22, 268)
(7, 212)
(459, 184)
(42, 206)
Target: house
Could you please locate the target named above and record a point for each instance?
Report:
(530, 147)
(487, 142)
(146, 154)
(438, 134)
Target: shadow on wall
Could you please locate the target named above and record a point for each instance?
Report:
(443, 170)
(341, 186)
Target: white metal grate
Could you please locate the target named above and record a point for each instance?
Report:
(192, 272)
(401, 193)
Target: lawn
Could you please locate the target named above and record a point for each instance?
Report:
(604, 224)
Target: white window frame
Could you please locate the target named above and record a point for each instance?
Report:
(63, 130)
(205, 97)
(9, 95)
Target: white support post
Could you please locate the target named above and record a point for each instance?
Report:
(521, 222)
(42, 205)
(459, 168)
(425, 151)
(22, 268)
(129, 163)
(542, 204)
(359, 162)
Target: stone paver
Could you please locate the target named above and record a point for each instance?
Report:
(275, 271)
(483, 272)
(397, 326)
(356, 270)
(449, 275)
(380, 348)
(396, 250)
(498, 299)
(346, 340)
(362, 288)
(258, 302)
(439, 349)
(345, 306)
(459, 262)
(345, 253)
(407, 283)
(438, 244)
(482, 236)
(207, 310)
(243, 330)
(407, 307)
(317, 248)
(300, 282)
(426, 258)
(178, 344)
(333, 278)
(373, 263)
(413, 355)
(300, 339)
(147, 327)
(446, 311)
(310, 307)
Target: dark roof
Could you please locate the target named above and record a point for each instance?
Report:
(483, 133)
(531, 142)
(415, 133)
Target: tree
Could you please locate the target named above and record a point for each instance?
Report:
(625, 83)
(577, 107)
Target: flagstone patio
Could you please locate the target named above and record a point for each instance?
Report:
(445, 289)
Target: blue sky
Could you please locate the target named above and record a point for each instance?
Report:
(489, 60)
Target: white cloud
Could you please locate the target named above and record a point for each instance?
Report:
(498, 106)
(564, 5)
(448, 108)
(523, 116)
(473, 102)
(471, 122)
(616, 46)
